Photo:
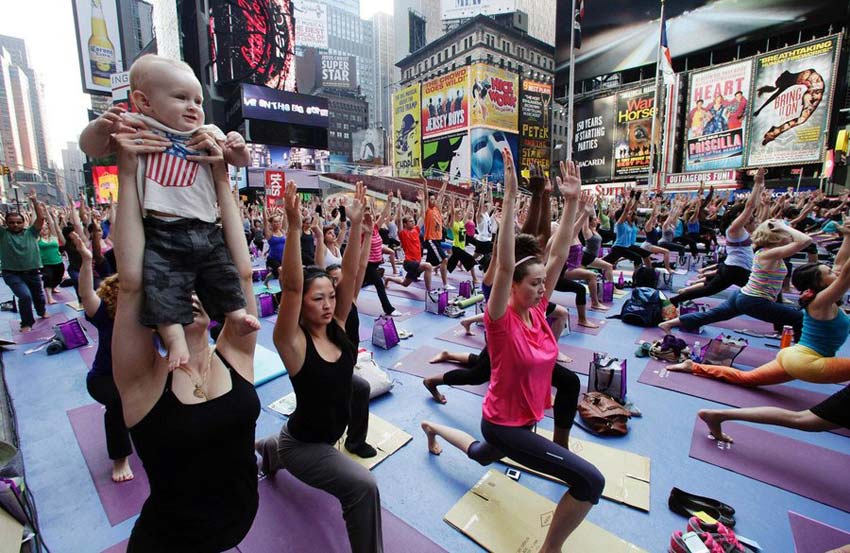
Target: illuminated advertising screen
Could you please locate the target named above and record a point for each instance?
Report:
(593, 135)
(534, 124)
(259, 102)
(445, 106)
(447, 155)
(632, 130)
(494, 94)
(98, 43)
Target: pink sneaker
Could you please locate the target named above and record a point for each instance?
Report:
(722, 535)
(677, 544)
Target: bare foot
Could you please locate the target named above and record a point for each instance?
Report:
(433, 446)
(25, 329)
(600, 307)
(178, 355)
(432, 387)
(563, 358)
(121, 471)
(246, 324)
(440, 357)
(387, 282)
(666, 326)
(587, 324)
(467, 324)
(714, 420)
(685, 366)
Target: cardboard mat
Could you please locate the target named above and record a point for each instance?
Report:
(502, 516)
(383, 436)
(626, 474)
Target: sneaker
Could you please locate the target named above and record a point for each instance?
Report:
(396, 313)
(449, 287)
(677, 544)
(453, 311)
(722, 535)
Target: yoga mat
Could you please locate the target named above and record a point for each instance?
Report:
(502, 515)
(267, 365)
(812, 536)
(626, 474)
(409, 292)
(122, 548)
(798, 467)
(383, 436)
(581, 356)
(120, 501)
(294, 517)
(87, 353)
(575, 327)
(750, 357)
(75, 305)
(368, 304)
(42, 329)
(779, 395)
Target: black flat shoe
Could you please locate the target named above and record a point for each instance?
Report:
(687, 508)
(719, 505)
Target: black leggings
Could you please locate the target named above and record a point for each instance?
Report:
(372, 277)
(567, 285)
(534, 451)
(102, 389)
(632, 253)
(672, 246)
(726, 276)
(689, 242)
(52, 275)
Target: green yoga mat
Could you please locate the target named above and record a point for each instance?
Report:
(267, 366)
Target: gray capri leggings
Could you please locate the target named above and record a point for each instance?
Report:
(521, 444)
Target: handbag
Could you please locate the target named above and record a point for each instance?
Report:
(723, 350)
(464, 289)
(384, 333)
(607, 291)
(603, 415)
(266, 305)
(436, 301)
(366, 368)
(670, 348)
(259, 275)
(691, 307)
(608, 376)
(71, 333)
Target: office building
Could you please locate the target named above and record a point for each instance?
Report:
(384, 38)
(72, 169)
(137, 28)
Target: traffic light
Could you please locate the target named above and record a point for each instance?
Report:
(4, 170)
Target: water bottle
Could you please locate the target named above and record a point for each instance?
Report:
(787, 336)
(621, 281)
(696, 352)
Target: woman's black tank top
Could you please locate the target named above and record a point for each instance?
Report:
(200, 463)
(323, 396)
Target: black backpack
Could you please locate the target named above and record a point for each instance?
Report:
(645, 277)
(643, 308)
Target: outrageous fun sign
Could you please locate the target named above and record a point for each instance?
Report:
(635, 109)
(792, 97)
(718, 105)
(593, 137)
(445, 106)
(495, 98)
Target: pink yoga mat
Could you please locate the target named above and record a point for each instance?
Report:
(88, 353)
(780, 395)
(368, 304)
(812, 536)
(120, 501)
(750, 357)
(294, 518)
(779, 461)
(41, 331)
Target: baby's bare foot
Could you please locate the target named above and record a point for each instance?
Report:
(246, 324)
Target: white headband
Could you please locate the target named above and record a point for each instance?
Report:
(523, 260)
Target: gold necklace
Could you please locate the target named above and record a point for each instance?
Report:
(199, 388)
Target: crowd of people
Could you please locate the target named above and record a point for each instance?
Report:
(182, 242)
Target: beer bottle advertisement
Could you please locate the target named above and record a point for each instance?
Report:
(101, 50)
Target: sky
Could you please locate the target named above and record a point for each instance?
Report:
(47, 26)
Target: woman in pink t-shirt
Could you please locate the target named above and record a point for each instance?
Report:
(523, 351)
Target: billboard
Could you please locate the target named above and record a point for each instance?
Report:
(406, 138)
(445, 106)
(459, 9)
(105, 179)
(593, 137)
(338, 71)
(275, 181)
(447, 154)
(495, 98)
(632, 130)
(311, 24)
(98, 43)
(253, 42)
(718, 104)
(367, 145)
(263, 103)
(791, 101)
(534, 124)
(486, 153)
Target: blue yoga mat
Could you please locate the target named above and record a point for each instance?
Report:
(267, 366)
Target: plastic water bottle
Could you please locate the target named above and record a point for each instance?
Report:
(696, 352)
(621, 281)
(787, 336)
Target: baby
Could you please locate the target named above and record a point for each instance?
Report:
(184, 247)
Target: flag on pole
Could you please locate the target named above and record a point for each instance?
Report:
(578, 16)
(666, 58)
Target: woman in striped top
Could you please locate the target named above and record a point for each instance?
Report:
(773, 241)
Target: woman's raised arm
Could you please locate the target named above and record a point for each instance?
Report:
(288, 339)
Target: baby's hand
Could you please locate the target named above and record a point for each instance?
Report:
(235, 150)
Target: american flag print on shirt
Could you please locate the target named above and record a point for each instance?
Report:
(171, 168)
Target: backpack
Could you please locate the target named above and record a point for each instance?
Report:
(643, 308)
(645, 277)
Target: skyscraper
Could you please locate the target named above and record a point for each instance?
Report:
(137, 27)
(72, 164)
(384, 39)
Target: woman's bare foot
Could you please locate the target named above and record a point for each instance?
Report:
(587, 324)
(431, 386)
(713, 419)
(433, 446)
(467, 326)
(600, 307)
(25, 329)
(685, 366)
(563, 358)
(121, 471)
(49, 295)
(666, 326)
(440, 357)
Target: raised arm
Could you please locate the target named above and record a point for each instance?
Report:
(288, 339)
(351, 258)
(570, 186)
(88, 297)
(835, 292)
(799, 239)
(54, 228)
(741, 220)
(38, 208)
(498, 303)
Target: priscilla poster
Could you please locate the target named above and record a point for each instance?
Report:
(791, 101)
(718, 104)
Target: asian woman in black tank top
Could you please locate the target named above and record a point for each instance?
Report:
(310, 337)
(203, 481)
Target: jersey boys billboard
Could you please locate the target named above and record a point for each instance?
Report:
(635, 110)
(592, 137)
(445, 106)
(406, 139)
(717, 109)
(792, 97)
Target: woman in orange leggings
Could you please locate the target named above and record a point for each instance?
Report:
(825, 329)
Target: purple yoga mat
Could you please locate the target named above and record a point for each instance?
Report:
(294, 517)
(120, 501)
(87, 353)
(41, 331)
(779, 461)
(122, 548)
(750, 357)
(812, 536)
(368, 304)
(575, 327)
(778, 395)
(410, 292)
